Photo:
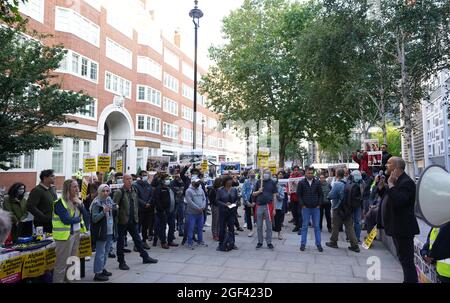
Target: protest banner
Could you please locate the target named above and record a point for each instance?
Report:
(89, 164)
(293, 183)
(369, 240)
(119, 165)
(158, 163)
(233, 167)
(204, 166)
(84, 188)
(85, 248)
(370, 145)
(374, 158)
(273, 167)
(34, 265)
(103, 163)
(11, 269)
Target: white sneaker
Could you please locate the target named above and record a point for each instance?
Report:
(206, 225)
(251, 233)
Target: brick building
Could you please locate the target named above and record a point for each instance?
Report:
(114, 53)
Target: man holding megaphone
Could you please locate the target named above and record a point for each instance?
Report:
(398, 216)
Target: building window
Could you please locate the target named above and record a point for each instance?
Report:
(187, 135)
(84, 67)
(187, 113)
(79, 66)
(86, 148)
(199, 118)
(212, 141)
(117, 85)
(150, 36)
(171, 82)
(33, 8)
(187, 70)
(140, 158)
(170, 106)
(170, 131)
(220, 143)
(150, 67)
(149, 94)
(118, 53)
(67, 20)
(75, 156)
(149, 124)
(90, 110)
(171, 59)
(28, 162)
(58, 157)
(187, 92)
(212, 123)
(94, 71)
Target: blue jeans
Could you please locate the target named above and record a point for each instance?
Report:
(357, 222)
(308, 213)
(180, 216)
(101, 253)
(194, 220)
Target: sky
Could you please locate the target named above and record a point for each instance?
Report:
(173, 14)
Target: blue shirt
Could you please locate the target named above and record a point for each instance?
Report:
(336, 194)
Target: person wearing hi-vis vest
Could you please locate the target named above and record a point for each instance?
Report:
(436, 250)
(68, 224)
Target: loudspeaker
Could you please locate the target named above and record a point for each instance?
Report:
(433, 196)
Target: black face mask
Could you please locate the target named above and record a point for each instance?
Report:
(196, 185)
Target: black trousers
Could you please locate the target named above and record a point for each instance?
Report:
(279, 218)
(325, 209)
(145, 219)
(296, 214)
(405, 253)
(226, 223)
(132, 228)
(151, 222)
(248, 217)
(236, 221)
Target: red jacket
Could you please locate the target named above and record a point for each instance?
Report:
(363, 163)
(293, 196)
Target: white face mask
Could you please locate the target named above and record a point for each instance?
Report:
(266, 176)
(20, 192)
(119, 181)
(145, 178)
(167, 182)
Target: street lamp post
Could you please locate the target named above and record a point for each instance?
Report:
(195, 14)
(203, 133)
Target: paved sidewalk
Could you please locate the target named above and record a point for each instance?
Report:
(285, 264)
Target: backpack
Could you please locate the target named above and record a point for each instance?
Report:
(351, 200)
(228, 242)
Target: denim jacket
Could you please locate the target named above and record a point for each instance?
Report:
(247, 190)
(280, 197)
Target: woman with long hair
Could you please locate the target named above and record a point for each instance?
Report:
(16, 204)
(68, 224)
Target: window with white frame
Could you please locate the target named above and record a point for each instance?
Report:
(67, 20)
(150, 67)
(33, 8)
(86, 148)
(25, 161)
(187, 91)
(75, 156)
(140, 158)
(80, 66)
(170, 130)
(212, 123)
(171, 59)
(187, 113)
(117, 85)
(212, 141)
(199, 118)
(220, 143)
(148, 94)
(58, 157)
(149, 124)
(187, 135)
(171, 82)
(170, 106)
(119, 53)
(187, 70)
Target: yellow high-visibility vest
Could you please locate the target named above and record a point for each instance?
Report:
(60, 230)
(442, 266)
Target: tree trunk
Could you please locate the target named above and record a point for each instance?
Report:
(282, 152)
(383, 121)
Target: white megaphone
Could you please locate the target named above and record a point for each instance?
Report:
(433, 196)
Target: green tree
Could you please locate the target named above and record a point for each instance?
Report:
(30, 97)
(394, 140)
(9, 11)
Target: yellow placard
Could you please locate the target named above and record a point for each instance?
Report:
(369, 240)
(204, 166)
(273, 167)
(84, 188)
(85, 249)
(119, 165)
(89, 165)
(10, 267)
(50, 258)
(34, 265)
(103, 163)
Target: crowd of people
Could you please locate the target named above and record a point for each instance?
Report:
(154, 208)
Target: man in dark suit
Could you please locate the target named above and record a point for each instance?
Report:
(398, 215)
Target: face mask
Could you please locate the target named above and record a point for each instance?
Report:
(266, 176)
(275, 179)
(145, 178)
(20, 192)
(167, 182)
(196, 185)
(252, 177)
(119, 181)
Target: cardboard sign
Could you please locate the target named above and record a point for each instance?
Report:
(85, 249)
(89, 165)
(34, 265)
(119, 165)
(204, 166)
(370, 145)
(293, 184)
(10, 270)
(375, 158)
(104, 163)
(84, 188)
(233, 167)
(273, 167)
(155, 163)
(263, 158)
(50, 258)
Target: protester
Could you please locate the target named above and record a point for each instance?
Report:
(362, 158)
(310, 195)
(265, 193)
(296, 212)
(339, 218)
(92, 192)
(325, 205)
(212, 196)
(249, 204)
(398, 217)
(16, 204)
(376, 197)
(5, 225)
(196, 203)
(385, 156)
(127, 200)
(357, 179)
(226, 196)
(144, 192)
(178, 186)
(68, 222)
(434, 250)
(41, 198)
(103, 211)
(279, 213)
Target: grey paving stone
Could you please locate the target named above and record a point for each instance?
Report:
(385, 274)
(287, 266)
(207, 271)
(329, 259)
(165, 267)
(180, 279)
(250, 263)
(217, 260)
(329, 269)
(325, 278)
(296, 256)
(288, 277)
(247, 275)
